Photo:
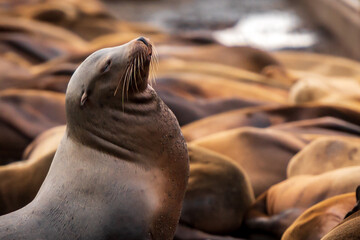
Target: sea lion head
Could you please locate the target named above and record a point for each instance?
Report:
(109, 92)
(120, 70)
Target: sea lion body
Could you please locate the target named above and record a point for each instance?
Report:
(24, 115)
(120, 171)
(318, 220)
(325, 154)
(218, 193)
(265, 166)
(266, 116)
(348, 228)
(285, 201)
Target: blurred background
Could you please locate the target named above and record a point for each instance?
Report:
(268, 24)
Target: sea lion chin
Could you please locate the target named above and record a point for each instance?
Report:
(121, 169)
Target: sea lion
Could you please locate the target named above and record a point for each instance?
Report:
(265, 165)
(325, 154)
(320, 88)
(51, 79)
(266, 116)
(249, 58)
(348, 228)
(189, 83)
(337, 91)
(326, 126)
(187, 111)
(20, 181)
(218, 193)
(319, 64)
(24, 115)
(284, 202)
(121, 169)
(64, 40)
(318, 220)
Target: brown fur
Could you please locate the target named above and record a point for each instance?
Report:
(218, 193)
(264, 117)
(297, 194)
(325, 154)
(25, 114)
(265, 165)
(319, 219)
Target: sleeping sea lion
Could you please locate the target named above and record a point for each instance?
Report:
(265, 165)
(285, 201)
(218, 193)
(349, 227)
(325, 154)
(318, 220)
(24, 115)
(266, 116)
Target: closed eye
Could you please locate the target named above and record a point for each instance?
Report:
(106, 67)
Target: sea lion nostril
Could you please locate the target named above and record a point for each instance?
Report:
(142, 39)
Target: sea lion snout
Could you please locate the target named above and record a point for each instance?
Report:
(142, 39)
(144, 44)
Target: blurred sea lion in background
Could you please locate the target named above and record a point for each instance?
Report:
(88, 19)
(325, 154)
(51, 79)
(265, 117)
(20, 181)
(249, 58)
(25, 114)
(305, 64)
(187, 111)
(284, 202)
(326, 126)
(263, 153)
(319, 219)
(26, 37)
(190, 83)
(348, 228)
(218, 193)
(337, 91)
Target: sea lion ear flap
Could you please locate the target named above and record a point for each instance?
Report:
(84, 97)
(358, 193)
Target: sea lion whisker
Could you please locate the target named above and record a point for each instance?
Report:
(135, 80)
(152, 74)
(154, 64)
(123, 88)
(127, 82)
(118, 85)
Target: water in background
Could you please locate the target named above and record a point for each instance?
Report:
(268, 24)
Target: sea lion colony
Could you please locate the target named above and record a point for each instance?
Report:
(272, 138)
